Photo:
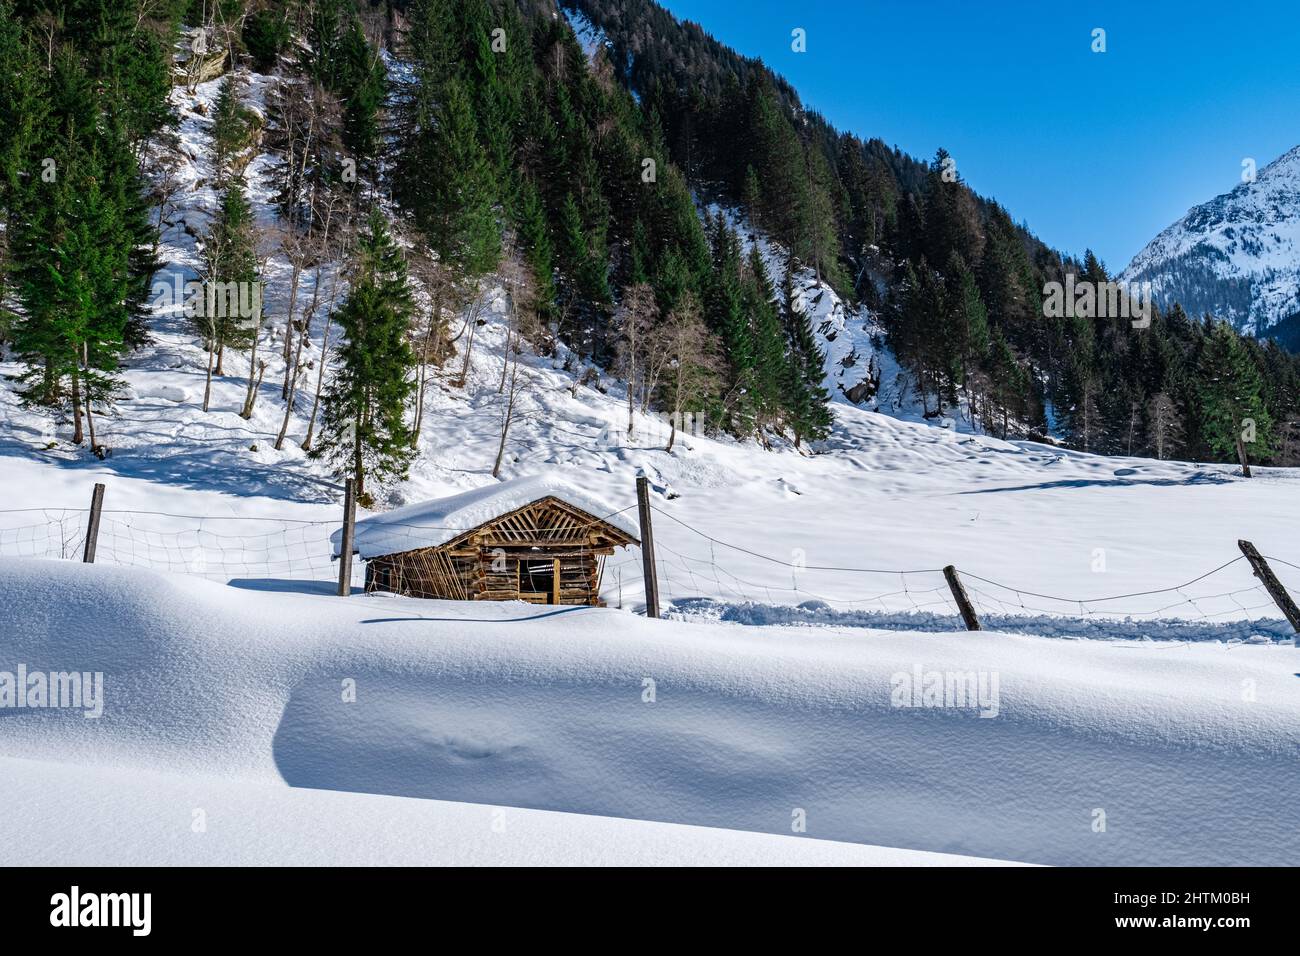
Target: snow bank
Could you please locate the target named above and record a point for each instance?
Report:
(1188, 753)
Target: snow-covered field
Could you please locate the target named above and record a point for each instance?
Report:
(1132, 686)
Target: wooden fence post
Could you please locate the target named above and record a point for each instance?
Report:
(349, 530)
(92, 527)
(1241, 457)
(963, 602)
(1272, 585)
(647, 547)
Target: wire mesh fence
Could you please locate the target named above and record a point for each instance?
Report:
(699, 575)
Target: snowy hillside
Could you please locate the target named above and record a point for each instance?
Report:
(1237, 256)
(860, 368)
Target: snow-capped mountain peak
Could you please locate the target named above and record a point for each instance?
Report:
(1237, 256)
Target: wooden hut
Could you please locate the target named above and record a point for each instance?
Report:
(532, 539)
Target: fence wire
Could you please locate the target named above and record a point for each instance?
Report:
(698, 574)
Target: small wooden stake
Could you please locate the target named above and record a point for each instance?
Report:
(963, 602)
(92, 528)
(1271, 584)
(647, 547)
(345, 546)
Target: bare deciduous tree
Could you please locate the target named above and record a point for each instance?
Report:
(346, 231)
(693, 360)
(473, 317)
(256, 365)
(634, 321)
(315, 247)
(429, 339)
(510, 399)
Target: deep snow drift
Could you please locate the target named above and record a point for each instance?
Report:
(1189, 751)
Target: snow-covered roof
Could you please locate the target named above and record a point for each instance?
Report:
(428, 524)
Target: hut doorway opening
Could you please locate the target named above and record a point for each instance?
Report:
(539, 580)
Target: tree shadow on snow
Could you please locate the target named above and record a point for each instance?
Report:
(224, 469)
(1200, 478)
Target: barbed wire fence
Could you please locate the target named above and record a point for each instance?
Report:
(699, 575)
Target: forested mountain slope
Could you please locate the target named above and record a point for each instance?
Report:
(384, 171)
(958, 283)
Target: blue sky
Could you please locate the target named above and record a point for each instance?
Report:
(1099, 150)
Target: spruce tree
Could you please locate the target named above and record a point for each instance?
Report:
(1007, 383)
(73, 277)
(366, 435)
(1235, 420)
(809, 417)
(725, 309)
(535, 241)
(266, 35)
(229, 127)
(362, 88)
(964, 338)
(458, 214)
(771, 373)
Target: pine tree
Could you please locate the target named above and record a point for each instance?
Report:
(725, 309)
(809, 417)
(229, 127)
(72, 261)
(535, 241)
(771, 372)
(366, 433)
(266, 35)
(1235, 419)
(493, 78)
(23, 108)
(130, 66)
(964, 339)
(344, 62)
(1007, 381)
(362, 89)
(430, 52)
(458, 215)
(24, 117)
